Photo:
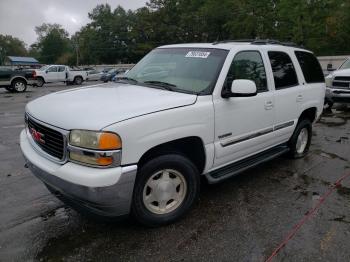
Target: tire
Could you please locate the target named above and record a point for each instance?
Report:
(329, 105)
(177, 183)
(40, 82)
(78, 80)
(298, 144)
(19, 85)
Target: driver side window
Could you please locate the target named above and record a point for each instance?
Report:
(52, 69)
(248, 65)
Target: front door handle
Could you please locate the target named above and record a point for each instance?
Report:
(268, 105)
(299, 98)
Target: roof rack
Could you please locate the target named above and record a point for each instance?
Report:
(234, 41)
(259, 42)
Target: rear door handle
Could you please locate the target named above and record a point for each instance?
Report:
(299, 98)
(268, 105)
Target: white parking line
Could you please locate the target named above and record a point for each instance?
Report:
(15, 126)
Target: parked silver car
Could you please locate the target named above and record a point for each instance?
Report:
(94, 75)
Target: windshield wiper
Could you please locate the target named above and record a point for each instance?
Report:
(163, 85)
(125, 78)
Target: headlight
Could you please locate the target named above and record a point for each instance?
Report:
(95, 148)
(329, 80)
(95, 140)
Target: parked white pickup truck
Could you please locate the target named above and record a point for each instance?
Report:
(338, 85)
(59, 73)
(185, 111)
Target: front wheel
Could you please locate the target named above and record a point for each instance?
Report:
(165, 189)
(300, 141)
(40, 82)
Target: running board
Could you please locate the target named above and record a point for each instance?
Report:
(242, 165)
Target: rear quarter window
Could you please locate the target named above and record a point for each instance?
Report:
(310, 66)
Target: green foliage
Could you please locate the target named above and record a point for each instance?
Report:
(11, 46)
(53, 43)
(118, 35)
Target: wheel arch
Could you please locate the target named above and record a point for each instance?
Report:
(309, 113)
(41, 77)
(191, 147)
(18, 78)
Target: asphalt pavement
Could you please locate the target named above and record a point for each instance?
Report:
(243, 219)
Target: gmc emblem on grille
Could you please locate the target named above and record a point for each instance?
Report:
(37, 136)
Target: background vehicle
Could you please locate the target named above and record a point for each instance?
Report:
(93, 75)
(338, 85)
(112, 73)
(59, 73)
(214, 110)
(16, 80)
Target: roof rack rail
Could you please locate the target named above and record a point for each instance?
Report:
(274, 42)
(233, 41)
(260, 42)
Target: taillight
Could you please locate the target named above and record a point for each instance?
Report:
(34, 74)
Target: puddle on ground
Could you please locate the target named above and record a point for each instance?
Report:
(332, 121)
(329, 155)
(335, 117)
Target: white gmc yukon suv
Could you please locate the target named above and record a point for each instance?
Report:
(140, 146)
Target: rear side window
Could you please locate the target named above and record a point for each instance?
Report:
(283, 70)
(310, 66)
(248, 65)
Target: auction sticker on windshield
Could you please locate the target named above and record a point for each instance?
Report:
(198, 54)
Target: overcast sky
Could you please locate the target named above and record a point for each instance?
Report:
(19, 17)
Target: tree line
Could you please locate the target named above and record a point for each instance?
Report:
(124, 36)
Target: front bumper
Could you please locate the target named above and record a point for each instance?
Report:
(338, 95)
(105, 192)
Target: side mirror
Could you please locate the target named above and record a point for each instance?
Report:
(241, 88)
(330, 67)
(46, 71)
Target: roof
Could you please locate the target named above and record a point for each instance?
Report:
(23, 59)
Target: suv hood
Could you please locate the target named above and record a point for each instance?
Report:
(341, 72)
(96, 107)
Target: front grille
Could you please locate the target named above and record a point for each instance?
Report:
(341, 84)
(342, 78)
(48, 139)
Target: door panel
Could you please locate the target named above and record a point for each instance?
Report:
(51, 74)
(61, 74)
(288, 94)
(5, 76)
(243, 125)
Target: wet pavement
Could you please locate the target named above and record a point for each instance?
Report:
(242, 219)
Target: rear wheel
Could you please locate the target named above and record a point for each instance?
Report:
(19, 85)
(78, 80)
(300, 141)
(165, 190)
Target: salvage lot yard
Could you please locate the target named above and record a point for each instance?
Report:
(242, 219)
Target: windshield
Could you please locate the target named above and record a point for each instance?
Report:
(43, 68)
(345, 65)
(111, 71)
(190, 70)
